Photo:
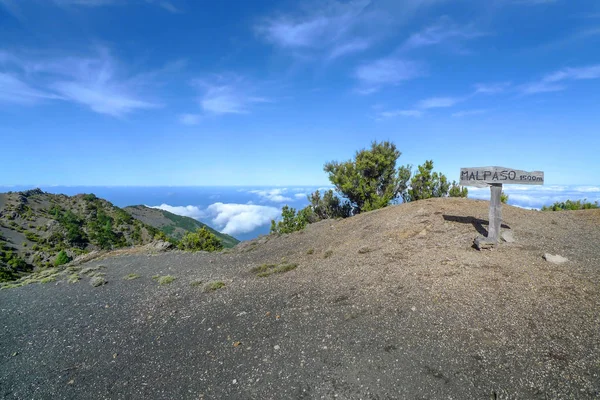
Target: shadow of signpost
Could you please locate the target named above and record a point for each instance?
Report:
(476, 222)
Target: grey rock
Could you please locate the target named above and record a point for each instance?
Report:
(482, 243)
(555, 259)
(98, 281)
(507, 236)
(159, 245)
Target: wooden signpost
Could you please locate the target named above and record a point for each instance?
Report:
(495, 177)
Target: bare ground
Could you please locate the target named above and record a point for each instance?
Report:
(389, 304)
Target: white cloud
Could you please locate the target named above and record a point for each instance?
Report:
(555, 81)
(541, 87)
(227, 94)
(95, 82)
(332, 27)
(353, 46)
(108, 100)
(532, 2)
(588, 72)
(186, 211)
(300, 195)
(538, 196)
(235, 219)
(443, 31)
(389, 71)
(166, 5)
(13, 90)
(274, 195)
(491, 88)
(439, 102)
(88, 3)
(190, 119)
(466, 113)
(401, 113)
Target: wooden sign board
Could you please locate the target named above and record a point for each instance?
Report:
(495, 177)
(484, 176)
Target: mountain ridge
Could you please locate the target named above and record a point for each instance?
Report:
(173, 225)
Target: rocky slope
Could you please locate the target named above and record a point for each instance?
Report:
(35, 226)
(175, 226)
(394, 303)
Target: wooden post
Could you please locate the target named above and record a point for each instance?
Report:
(494, 177)
(495, 213)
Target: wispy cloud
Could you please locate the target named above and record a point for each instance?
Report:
(466, 113)
(96, 82)
(491, 88)
(556, 81)
(400, 113)
(532, 2)
(164, 4)
(353, 46)
(190, 119)
(227, 94)
(13, 90)
(389, 71)
(588, 72)
(331, 27)
(439, 102)
(444, 31)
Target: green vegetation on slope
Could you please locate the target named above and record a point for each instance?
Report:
(175, 226)
(571, 205)
(41, 230)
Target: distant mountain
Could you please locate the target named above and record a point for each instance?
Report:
(36, 226)
(175, 226)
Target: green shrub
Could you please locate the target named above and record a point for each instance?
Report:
(328, 206)
(202, 239)
(457, 191)
(571, 205)
(62, 258)
(427, 184)
(290, 221)
(503, 197)
(165, 280)
(265, 270)
(33, 237)
(214, 285)
(371, 180)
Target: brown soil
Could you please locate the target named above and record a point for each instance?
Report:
(394, 303)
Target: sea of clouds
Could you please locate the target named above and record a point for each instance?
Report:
(255, 216)
(250, 218)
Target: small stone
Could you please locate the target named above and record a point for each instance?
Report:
(276, 347)
(555, 259)
(413, 308)
(235, 381)
(507, 236)
(482, 243)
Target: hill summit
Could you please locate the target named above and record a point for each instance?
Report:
(393, 303)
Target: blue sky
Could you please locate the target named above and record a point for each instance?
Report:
(167, 92)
